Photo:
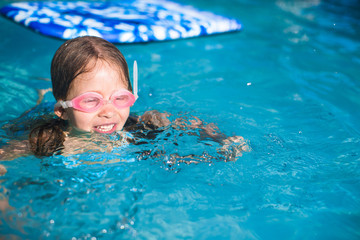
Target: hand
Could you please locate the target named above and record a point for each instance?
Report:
(233, 147)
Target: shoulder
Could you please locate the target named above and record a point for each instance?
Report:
(150, 120)
(154, 119)
(132, 122)
(132, 119)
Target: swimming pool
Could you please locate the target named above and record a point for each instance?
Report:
(288, 83)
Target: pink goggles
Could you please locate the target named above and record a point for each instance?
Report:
(92, 101)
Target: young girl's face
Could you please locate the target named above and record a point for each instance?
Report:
(102, 79)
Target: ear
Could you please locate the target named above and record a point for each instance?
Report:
(61, 113)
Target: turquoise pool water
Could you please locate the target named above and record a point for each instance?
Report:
(288, 83)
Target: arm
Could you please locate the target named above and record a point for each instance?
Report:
(14, 149)
(231, 147)
(154, 119)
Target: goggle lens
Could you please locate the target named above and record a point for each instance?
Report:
(88, 103)
(123, 99)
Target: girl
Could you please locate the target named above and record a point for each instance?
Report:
(90, 82)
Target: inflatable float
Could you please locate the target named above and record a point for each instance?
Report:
(127, 21)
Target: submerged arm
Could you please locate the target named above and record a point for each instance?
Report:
(231, 147)
(14, 149)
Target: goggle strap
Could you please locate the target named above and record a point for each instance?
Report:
(135, 80)
(64, 104)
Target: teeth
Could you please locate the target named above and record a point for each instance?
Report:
(105, 128)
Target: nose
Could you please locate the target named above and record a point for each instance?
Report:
(107, 110)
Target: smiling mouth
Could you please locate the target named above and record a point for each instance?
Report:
(105, 128)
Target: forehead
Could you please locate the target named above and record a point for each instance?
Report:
(100, 76)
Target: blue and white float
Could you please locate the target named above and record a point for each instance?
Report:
(126, 21)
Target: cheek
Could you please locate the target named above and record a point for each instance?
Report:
(80, 120)
(124, 115)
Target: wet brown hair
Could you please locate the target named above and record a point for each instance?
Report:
(74, 57)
